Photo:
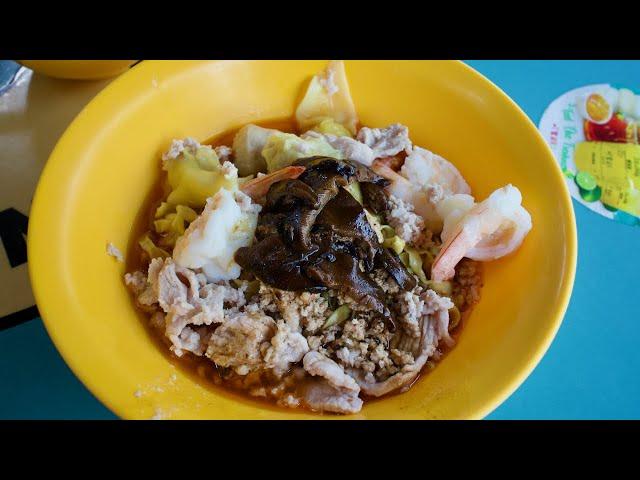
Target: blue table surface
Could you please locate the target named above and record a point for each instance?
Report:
(591, 369)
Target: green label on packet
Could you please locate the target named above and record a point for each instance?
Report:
(616, 168)
(593, 133)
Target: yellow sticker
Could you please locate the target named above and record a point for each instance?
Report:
(616, 168)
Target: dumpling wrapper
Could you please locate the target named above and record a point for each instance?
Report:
(328, 97)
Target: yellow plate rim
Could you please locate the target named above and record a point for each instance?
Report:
(492, 401)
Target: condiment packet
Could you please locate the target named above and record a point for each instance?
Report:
(593, 132)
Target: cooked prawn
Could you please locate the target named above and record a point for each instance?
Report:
(258, 187)
(426, 168)
(394, 162)
(424, 180)
(487, 231)
(452, 209)
(411, 193)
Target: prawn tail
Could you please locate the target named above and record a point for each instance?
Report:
(258, 187)
(453, 250)
(381, 167)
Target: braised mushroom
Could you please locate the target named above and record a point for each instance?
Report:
(277, 265)
(313, 234)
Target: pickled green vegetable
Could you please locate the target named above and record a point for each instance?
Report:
(354, 189)
(395, 243)
(339, 315)
(388, 231)
(444, 289)
(413, 261)
(375, 222)
(427, 259)
(454, 318)
(252, 289)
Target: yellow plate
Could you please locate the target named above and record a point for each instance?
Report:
(109, 159)
(78, 69)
